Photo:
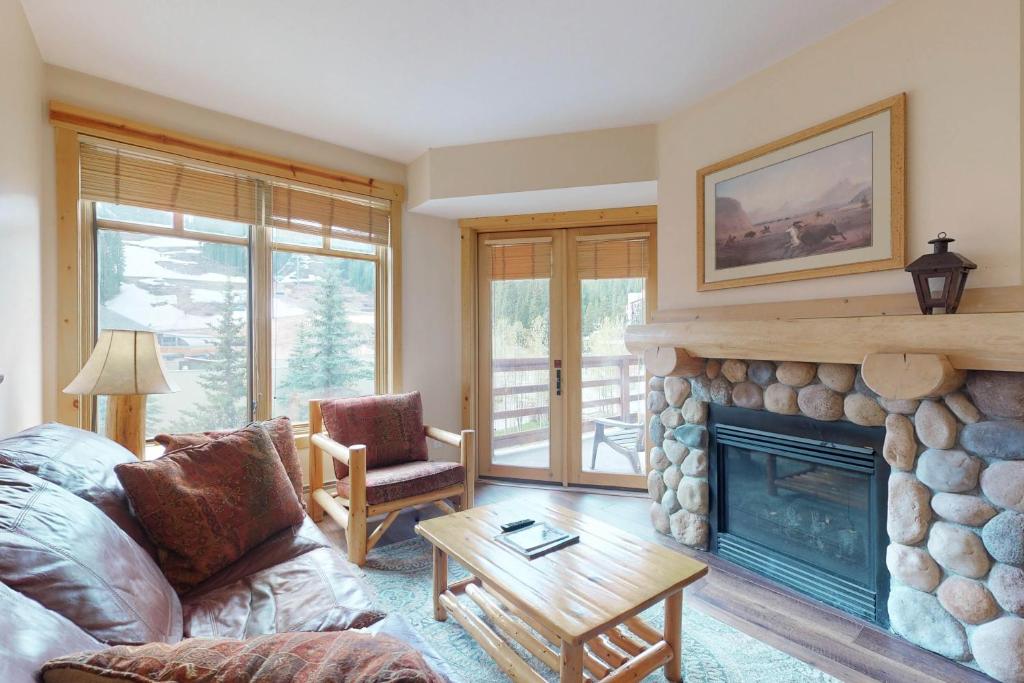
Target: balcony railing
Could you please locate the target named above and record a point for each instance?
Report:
(621, 386)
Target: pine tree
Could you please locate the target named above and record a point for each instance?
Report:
(322, 360)
(111, 259)
(225, 381)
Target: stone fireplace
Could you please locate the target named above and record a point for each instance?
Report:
(949, 561)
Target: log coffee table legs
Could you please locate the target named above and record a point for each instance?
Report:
(440, 582)
(626, 652)
(570, 663)
(673, 635)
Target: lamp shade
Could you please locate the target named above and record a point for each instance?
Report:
(123, 362)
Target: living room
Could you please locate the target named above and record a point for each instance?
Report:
(512, 341)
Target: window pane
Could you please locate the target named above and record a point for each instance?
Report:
(214, 226)
(299, 239)
(194, 295)
(351, 245)
(324, 330)
(135, 214)
(613, 379)
(520, 372)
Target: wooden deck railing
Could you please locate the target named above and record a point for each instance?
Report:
(626, 365)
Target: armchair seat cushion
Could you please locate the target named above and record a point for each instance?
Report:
(386, 484)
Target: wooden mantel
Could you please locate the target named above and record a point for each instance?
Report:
(972, 341)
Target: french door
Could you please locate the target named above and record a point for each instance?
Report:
(560, 397)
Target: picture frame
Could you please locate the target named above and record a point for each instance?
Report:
(826, 201)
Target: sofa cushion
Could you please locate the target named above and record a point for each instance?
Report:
(386, 484)
(64, 553)
(297, 657)
(285, 545)
(79, 461)
(390, 426)
(317, 591)
(205, 506)
(33, 634)
(280, 430)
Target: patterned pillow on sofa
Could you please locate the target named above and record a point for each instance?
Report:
(205, 506)
(280, 429)
(296, 657)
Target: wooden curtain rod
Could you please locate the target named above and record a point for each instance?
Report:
(143, 135)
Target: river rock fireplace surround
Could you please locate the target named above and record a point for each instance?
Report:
(944, 567)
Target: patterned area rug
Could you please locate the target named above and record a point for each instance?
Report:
(712, 652)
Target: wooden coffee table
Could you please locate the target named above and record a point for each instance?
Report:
(575, 609)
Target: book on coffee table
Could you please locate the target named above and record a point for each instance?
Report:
(537, 539)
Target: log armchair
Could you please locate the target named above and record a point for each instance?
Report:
(378, 446)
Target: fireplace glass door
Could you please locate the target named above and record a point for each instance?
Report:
(809, 511)
(803, 503)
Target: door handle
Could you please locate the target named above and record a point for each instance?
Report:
(558, 378)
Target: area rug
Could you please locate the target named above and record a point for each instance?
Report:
(400, 573)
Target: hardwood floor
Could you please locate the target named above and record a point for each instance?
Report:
(828, 639)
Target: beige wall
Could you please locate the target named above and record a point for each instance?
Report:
(430, 263)
(959, 63)
(21, 175)
(597, 157)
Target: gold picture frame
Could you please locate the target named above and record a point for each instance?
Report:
(826, 201)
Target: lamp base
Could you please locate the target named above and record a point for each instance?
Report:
(126, 422)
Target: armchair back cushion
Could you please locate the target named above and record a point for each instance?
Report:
(280, 430)
(205, 506)
(390, 426)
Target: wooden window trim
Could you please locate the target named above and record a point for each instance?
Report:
(97, 124)
(76, 260)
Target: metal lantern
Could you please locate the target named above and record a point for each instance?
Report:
(939, 277)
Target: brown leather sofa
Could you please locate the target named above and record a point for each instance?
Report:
(77, 570)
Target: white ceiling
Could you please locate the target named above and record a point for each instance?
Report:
(395, 77)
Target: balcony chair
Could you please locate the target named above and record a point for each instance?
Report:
(626, 438)
(378, 445)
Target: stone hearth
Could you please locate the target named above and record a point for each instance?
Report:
(955, 515)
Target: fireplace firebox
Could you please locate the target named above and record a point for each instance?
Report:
(802, 502)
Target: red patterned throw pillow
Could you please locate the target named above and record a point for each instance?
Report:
(390, 426)
(334, 657)
(280, 429)
(205, 506)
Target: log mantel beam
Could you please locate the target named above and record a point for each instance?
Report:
(980, 341)
(899, 376)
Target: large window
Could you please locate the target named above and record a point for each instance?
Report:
(254, 317)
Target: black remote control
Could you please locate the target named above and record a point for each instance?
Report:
(518, 524)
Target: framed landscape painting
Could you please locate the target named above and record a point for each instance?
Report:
(826, 201)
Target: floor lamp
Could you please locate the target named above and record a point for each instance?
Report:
(126, 366)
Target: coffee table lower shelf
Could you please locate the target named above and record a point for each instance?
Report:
(628, 651)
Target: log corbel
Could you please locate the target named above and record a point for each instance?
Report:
(900, 376)
(665, 361)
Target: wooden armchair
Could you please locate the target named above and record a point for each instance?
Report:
(368, 491)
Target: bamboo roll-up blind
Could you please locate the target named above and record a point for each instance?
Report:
(605, 258)
(527, 260)
(332, 214)
(118, 175)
